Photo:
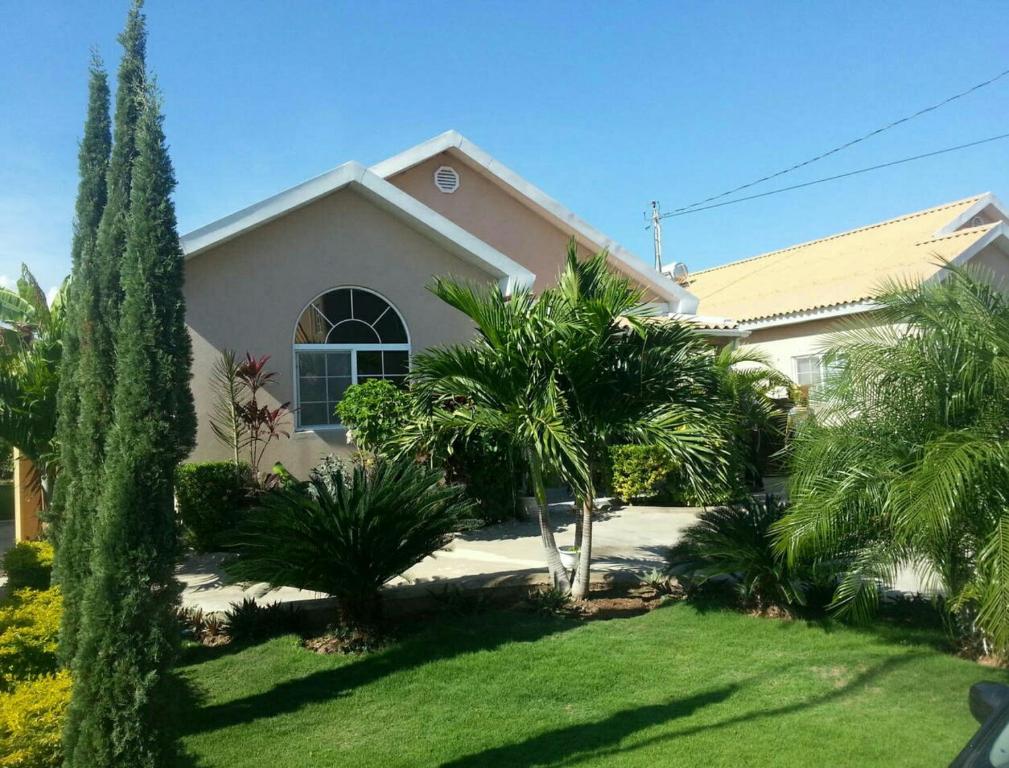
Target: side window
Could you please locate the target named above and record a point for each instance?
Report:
(808, 371)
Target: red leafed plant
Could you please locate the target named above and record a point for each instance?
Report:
(240, 419)
(263, 424)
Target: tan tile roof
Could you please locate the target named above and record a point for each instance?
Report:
(840, 269)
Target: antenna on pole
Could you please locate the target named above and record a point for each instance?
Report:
(657, 234)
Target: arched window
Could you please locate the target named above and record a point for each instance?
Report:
(345, 336)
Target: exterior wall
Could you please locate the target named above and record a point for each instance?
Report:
(483, 208)
(248, 293)
(994, 260)
(784, 343)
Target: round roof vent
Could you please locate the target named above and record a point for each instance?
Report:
(446, 178)
(977, 221)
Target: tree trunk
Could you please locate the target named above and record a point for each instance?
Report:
(557, 573)
(579, 522)
(583, 571)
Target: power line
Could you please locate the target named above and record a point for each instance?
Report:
(844, 146)
(683, 212)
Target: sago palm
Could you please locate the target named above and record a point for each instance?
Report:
(349, 534)
(907, 458)
(31, 344)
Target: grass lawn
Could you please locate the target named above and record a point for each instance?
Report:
(676, 687)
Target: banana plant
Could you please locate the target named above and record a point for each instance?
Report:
(31, 346)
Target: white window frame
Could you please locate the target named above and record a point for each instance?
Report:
(297, 349)
(819, 364)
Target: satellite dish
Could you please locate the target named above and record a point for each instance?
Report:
(680, 273)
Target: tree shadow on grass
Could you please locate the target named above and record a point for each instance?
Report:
(859, 682)
(444, 641)
(558, 746)
(184, 697)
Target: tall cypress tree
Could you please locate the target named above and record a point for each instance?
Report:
(129, 632)
(71, 517)
(100, 305)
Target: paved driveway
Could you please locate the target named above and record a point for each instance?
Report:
(631, 539)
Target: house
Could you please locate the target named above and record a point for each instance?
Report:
(789, 301)
(328, 277)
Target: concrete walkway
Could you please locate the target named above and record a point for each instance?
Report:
(631, 539)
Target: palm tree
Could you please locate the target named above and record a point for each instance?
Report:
(907, 457)
(629, 379)
(745, 377)
(505, 385)
(562, 376)
(31, 344)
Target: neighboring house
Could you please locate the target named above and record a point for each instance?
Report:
(788, 301)
(328, 277)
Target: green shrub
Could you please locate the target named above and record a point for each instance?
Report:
(212, 498)
(491, 475)
(639, 471)
(29, 564)
(348, 536)
(734, 545)
(29, 634)
(648, 472)
(31, 722)
(248, 621)
(375, 412)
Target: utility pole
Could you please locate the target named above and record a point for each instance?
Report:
(657, 234)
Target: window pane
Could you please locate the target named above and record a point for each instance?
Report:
(396, 363)
(311, 389)
(338, 364)
(353, 332)
(336, 388)
(391, 329)
(369, 363)
(312, 327)
(335, 305)
(313, 414)
(399, 381)
(368, 306)
(311, 364)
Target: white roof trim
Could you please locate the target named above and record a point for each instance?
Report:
(964, 218)
(511, 274)
(999, 232)
(680, 298)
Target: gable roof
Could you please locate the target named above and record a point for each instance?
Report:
(843, 273)
(454, 238)
(458, 145)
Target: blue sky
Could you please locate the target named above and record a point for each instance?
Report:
(606, 106)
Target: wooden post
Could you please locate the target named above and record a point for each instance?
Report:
(27, 500)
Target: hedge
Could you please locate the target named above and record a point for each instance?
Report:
(29, 564)
(639, 471)
(212, 499)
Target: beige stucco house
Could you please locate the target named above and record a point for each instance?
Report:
(328, 278)
(787, 302)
